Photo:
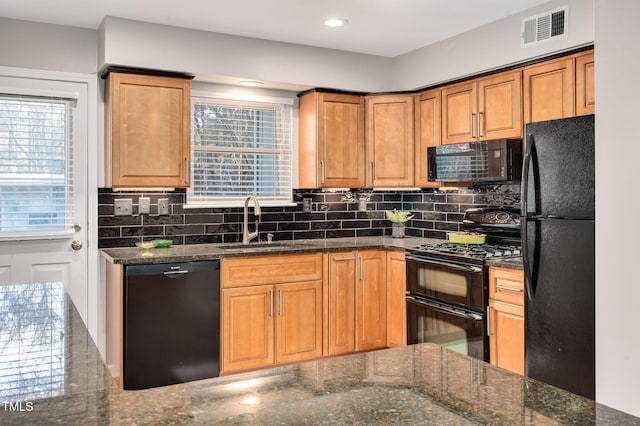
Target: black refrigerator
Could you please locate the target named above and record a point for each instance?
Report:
(558, 247)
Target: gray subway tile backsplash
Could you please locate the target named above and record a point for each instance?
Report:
(334, 214)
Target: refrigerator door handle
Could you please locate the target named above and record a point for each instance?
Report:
(525, 211)
(525, 258)
(525, 176)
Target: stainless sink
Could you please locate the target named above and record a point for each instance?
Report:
(253, 245)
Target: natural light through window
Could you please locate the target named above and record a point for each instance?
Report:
(36, 189)
(240, 148)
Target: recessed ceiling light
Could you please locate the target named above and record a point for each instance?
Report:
(251, 83)
(336, 22)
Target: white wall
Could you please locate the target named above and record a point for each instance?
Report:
(47, 47)
(211, 56)
(489, 47)
(617, 160)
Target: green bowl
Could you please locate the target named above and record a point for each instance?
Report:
(162, 243)
(466, 239)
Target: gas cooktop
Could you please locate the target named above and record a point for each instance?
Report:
(501, 225)
(472, 251)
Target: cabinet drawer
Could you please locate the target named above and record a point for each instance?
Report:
(506, 285)
(277, 269)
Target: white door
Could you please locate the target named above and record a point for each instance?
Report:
(43, 184)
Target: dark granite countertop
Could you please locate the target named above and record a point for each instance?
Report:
(512, 263)
(132, 255)
(51, 373)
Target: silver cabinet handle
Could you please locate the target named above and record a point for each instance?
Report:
(280, 307)
(361, 269)
(323, 172)
(502, 287)
(471, 123)
(371, 172)
(479, 124)
(187, 171)
(489, 321)
(344, 258)
(271, 298)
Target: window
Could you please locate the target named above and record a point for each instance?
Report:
(240, 148)
(36, 189)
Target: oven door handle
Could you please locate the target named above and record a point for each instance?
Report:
(445, 309)
(447, 264)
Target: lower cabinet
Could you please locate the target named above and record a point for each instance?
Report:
(356, 301)
(396, 302)
(277, 323)
(506, 318)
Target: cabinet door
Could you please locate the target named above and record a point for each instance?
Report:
(427, 134)
(548, 90)
(506, 338)
(371, 300)
(148, 129)
(389, 140)
(341, 140)
(500, 106)
(341, 324)
(396, 303)
(298, 321)
(247, 332)
(331, 141)
(459, 113)
(585, 84)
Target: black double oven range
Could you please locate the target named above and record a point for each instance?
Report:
(448, 284)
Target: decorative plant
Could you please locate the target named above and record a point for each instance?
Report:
(398, 216)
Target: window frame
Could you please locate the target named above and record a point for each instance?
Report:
(236, 201)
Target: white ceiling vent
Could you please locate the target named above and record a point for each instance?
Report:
(544, 27)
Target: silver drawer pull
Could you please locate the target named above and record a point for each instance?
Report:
(501, 287)
(344, 258)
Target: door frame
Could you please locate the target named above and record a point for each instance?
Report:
(93, 167)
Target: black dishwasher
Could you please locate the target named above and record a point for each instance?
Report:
(171, 323)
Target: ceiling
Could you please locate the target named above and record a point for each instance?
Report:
(378, 27)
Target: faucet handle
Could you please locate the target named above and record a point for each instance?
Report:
(269, 238)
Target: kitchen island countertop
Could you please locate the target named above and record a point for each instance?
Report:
(51, 373)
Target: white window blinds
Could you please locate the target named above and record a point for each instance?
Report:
(240, 148)
(36, 160)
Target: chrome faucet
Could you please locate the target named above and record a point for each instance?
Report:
(246, 235)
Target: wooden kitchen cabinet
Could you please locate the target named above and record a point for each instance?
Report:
(506, 318)
(396, 302)
(549, 90)
(331, 140)
(148, 127)
(389, 140)
(276, 323)
(371, 300)
(356, 301)
(427, 134)
(585, 83)
(483, 109)
(247, 328)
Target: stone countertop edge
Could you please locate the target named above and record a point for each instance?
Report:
(510, 263)
(195, 252)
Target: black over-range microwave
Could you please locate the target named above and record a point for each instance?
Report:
(486, 161)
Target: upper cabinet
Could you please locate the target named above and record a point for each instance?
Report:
(389, 140)
(548, 89)
(560, 88)
(482, 109)
(331, 140)
(585, 83)
(148, 128)
(427, 133)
